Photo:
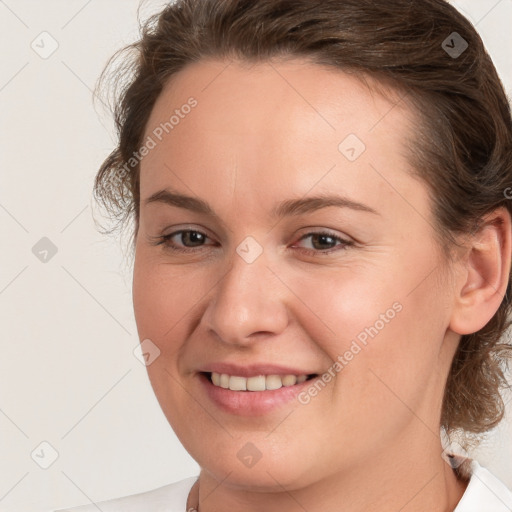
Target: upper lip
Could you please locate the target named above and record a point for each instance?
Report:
(253, 370)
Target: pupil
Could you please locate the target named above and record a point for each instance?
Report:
(323, 237)
(193, 236)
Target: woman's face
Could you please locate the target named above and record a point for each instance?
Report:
(315, 256)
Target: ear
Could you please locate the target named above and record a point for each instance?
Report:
(484, 275)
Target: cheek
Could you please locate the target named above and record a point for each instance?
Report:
(346, 304)
(405, 362)
(163, 295)
(385, 328)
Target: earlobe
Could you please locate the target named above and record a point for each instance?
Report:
(484, 275)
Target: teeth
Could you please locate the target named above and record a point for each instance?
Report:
(258, 383)
(224, 381)
(237, 383)
(289, 380)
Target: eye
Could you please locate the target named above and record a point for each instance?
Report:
(190, 239)
(324, 242)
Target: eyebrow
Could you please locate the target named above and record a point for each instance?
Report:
(286, 208)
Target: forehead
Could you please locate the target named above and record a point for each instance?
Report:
(270, 123)
(227, 87)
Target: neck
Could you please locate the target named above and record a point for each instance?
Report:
(400, 478)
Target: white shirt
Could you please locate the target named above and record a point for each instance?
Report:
(484, 493)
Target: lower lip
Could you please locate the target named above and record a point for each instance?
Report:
(251, 403)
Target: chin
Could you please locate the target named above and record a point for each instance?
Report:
(262, 469)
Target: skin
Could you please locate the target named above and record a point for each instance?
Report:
(261, 134)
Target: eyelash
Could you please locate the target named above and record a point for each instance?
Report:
(165, 240)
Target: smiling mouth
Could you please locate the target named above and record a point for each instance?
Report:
(256, 383)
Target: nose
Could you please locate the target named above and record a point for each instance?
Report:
(247, 303)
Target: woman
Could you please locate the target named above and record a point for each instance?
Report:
(322, 240)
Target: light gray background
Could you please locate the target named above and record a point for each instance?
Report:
(68, 375)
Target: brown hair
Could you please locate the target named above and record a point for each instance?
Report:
(462, 150)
